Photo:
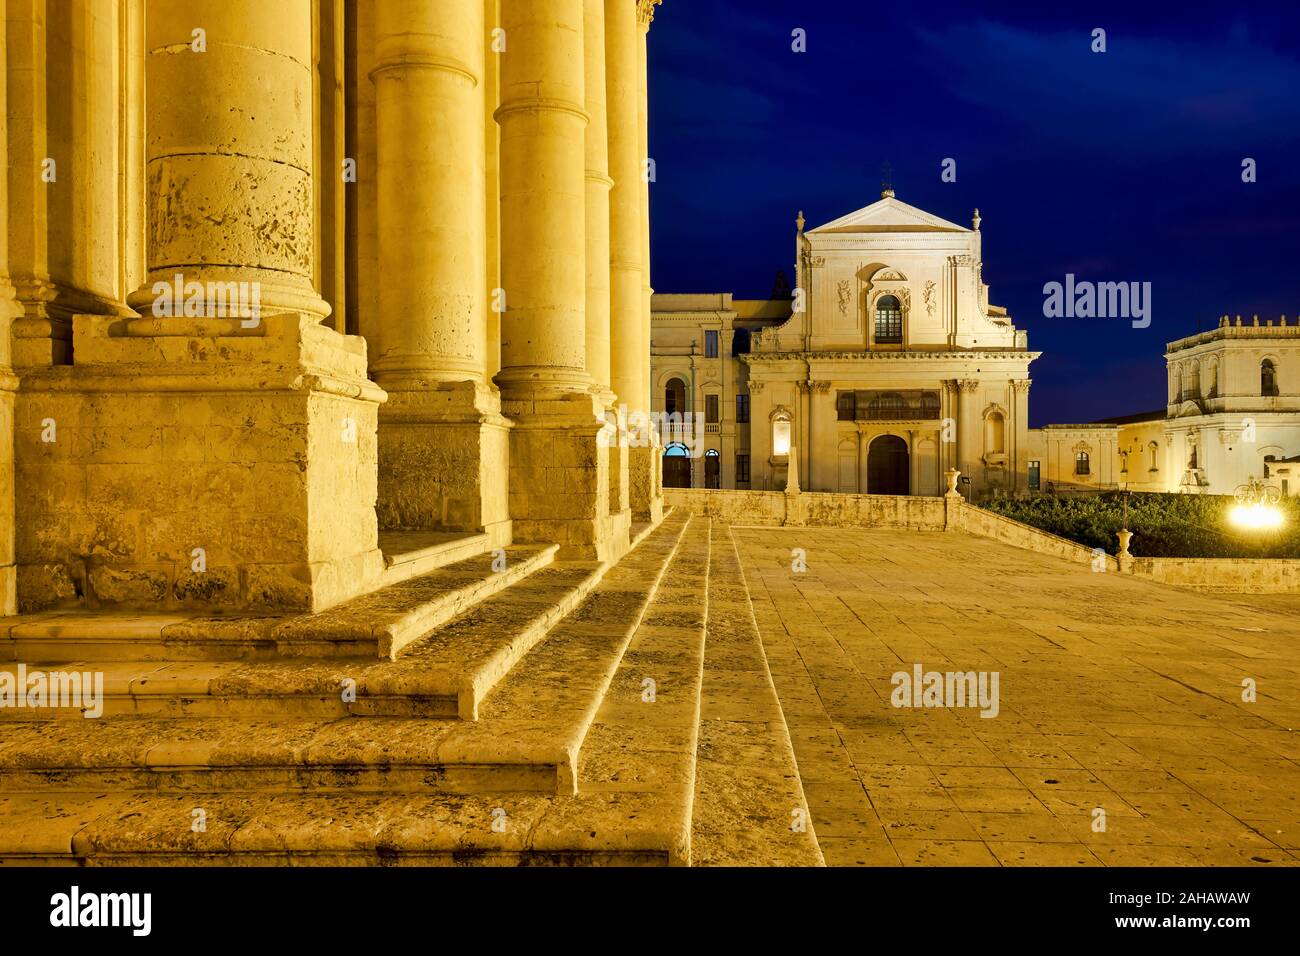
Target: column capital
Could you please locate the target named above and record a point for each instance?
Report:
(1021, 385)
(645, 12)
(968, 385)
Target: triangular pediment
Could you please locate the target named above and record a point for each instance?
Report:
(888, 215)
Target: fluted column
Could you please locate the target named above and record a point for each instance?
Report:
(229, 152)
(543, 123)
(430, 326)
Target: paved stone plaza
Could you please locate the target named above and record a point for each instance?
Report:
(1115, 693)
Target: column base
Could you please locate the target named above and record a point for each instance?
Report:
(559, 477)
(646, 483)
(444, 457)
(227, 470)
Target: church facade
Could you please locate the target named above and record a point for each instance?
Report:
(884, 368)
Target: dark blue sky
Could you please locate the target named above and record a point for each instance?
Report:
(1123, 166)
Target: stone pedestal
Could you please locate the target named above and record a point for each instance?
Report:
(559, 476)
(444, 453)
(194, 463)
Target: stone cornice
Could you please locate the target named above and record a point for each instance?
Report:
(1014, 354)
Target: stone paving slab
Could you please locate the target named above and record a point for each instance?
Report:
(1115, 694)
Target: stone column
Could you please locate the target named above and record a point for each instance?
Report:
(646, 465)
(229, 151)
(559, 464)
(9, 310)
(967, 429)
(64, 174)
(443, 445)
(599, 264)
(626, 280)
(219, 451)
(1020, 413)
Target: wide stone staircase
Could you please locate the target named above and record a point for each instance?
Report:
(498, 709)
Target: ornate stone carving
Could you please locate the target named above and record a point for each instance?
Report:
(821, 387)
(962, 260)
(818, 261)
(843, 290)
(756, 387)
(1021, 385)
(645, 11)
(888, 275)
(968, 385)
(929, 297)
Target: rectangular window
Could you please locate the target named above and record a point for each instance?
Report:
(1035, 472)
(711, 344)
(742, 409)
(742, 469)
(711, 409)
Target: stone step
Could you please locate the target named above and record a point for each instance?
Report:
(446, 673)
(326, 829)
(379, 624)
(539, 713)
(531, 725)
(410, 554)
(163, 754)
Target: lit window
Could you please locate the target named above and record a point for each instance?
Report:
(1082, 464)
(889, 320)
(781, 436)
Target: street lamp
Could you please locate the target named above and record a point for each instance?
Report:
(1256, 508)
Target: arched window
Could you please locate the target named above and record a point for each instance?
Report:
(995, 431)
(1082, 464)
(712, 469)
(781, 434)
(1267, 377)
(1155, 449)
(889, 320)
(676, 450)
(675, 397)
(1212, 385)
(1192, 389)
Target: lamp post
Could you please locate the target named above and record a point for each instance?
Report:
(1256, 508)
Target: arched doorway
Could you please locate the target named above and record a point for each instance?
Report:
(712, 469)
(887, 466)
(677, 466)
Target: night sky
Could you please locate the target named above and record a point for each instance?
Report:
(1122, 166)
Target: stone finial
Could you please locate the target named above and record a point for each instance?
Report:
(1223, 321)
(1238, 321)
(1283, 323)
(975, 220)
(800, 222)
(1256, 322)
(952, 474)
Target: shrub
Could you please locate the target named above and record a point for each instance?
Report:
(1163, 525)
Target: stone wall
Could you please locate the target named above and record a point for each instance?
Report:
(811, 509)
(1243, 576)
(986, 524)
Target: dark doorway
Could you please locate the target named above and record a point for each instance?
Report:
(675, 397)
(677, 466)
(887, 466)
(712, 469)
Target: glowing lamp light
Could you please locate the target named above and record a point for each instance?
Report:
(1256, 516)
(781, 437)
